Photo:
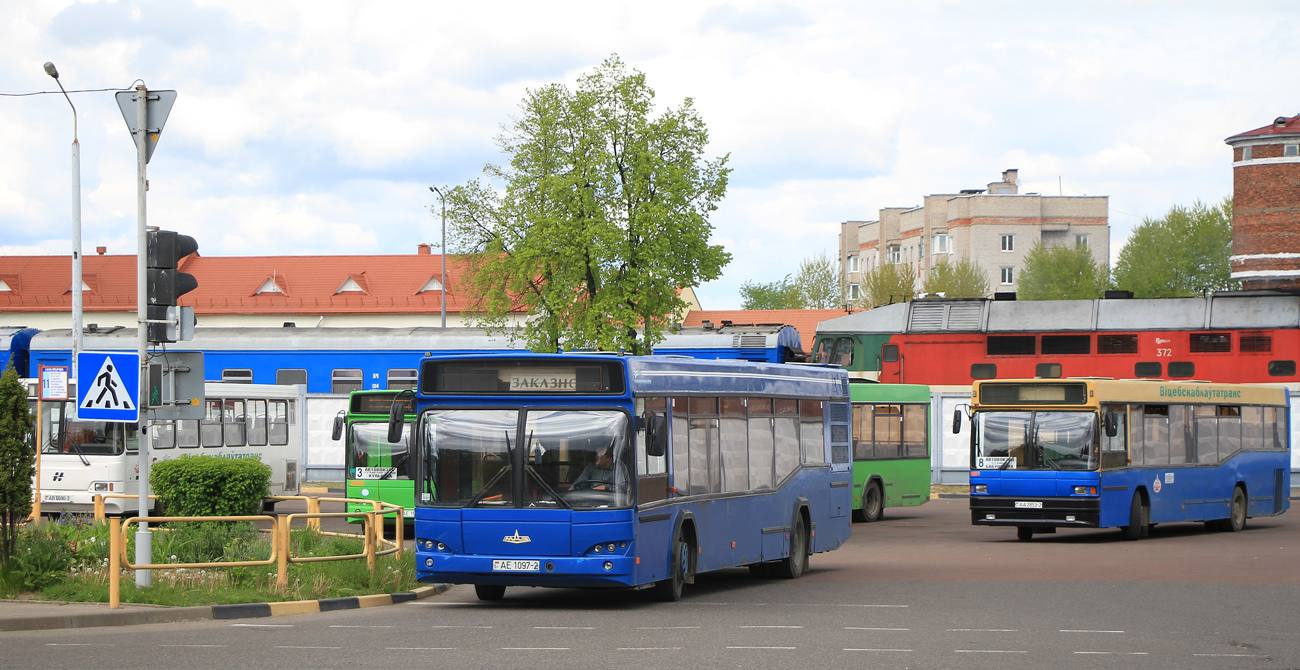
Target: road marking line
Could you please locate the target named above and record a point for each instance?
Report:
(563, 628)
(287, 646)
(877, 650)
(202, 646)
(649, 648)
(857, 628)
(668, 628)
(1229, 655)
(460, 626)
(1117, 653)
(761, 647)
(988, 651)
(1091, 631)
(419, 648)
(792, 604)
(78, 644)
(534, 649)
(983, 630)
(261, 625)
(769, 626)
(338, 626)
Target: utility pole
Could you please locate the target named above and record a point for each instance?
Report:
(76, 227)
(444, 253)
(143, 538)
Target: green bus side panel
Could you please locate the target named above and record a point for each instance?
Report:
(888, 393)
(906, 480)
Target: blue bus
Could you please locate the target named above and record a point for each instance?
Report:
(1099, 453)
(590, 470)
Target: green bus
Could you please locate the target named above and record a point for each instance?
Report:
(891, 447)
(376, 469)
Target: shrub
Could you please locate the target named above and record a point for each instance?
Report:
(43, 556)
(211, 486)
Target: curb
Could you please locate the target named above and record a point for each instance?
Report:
(211, 612)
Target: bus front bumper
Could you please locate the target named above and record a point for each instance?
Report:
(1081, 512)
(561, 571)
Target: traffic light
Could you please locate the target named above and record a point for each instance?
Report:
(167, 284)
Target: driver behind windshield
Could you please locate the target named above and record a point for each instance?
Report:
(603, 474)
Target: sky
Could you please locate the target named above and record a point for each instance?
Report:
(316, 127)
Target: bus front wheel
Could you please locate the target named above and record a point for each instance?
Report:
(489, 591)
(679, 564)
(1024, 533)
(1137, 519)
(873, 503)
(794, 565)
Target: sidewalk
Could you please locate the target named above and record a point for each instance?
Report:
(46, 615)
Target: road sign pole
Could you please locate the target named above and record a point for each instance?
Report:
(143, 537)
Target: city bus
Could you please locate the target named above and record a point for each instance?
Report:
(891, 447)
(376, 468)
(81, 458)
(1099, 453)
(598, 470)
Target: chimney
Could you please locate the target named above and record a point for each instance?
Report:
(422, 250)
(101, 250)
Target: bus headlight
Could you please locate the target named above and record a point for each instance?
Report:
(609, 565)
(428, 562)
(428, 544)
(610, 547)
(100, 487)
(979, 488)
(1085, 490)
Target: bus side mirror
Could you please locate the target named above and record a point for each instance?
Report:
(396, 421)
(1110, 423)
(337, 433)
(956, 421)
(656, 435)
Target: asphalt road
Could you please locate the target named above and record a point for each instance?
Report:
(921, 589)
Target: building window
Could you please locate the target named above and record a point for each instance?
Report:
(1291, 150)
(1081, 240)
(1008, 276)
(853, 263)
(345, 380)
(854, 292)
(401, 378)
(1245, 153)
(895, 255)
(1008, 243)
(237, 376)
(941, 245)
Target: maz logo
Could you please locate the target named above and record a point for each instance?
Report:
(1161, 340)
(516, 538)
(58, 477)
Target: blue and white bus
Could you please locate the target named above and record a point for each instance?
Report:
(590, 470)
(1097, 453)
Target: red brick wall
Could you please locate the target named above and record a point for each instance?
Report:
(1266, 215)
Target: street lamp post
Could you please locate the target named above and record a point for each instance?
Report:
(76, 225)
(444, 253)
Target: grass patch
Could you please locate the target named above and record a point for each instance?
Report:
(68, 560)
(936, 489)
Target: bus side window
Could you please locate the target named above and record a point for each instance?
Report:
(843, 352)
(822, 353)
(1114, 450)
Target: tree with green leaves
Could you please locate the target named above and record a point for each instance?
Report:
(601, 216)
(17, 461)
(962, 279)
(1062, 272)
(1181, 255)
(816, 287)
(781, 294)
(888, 284)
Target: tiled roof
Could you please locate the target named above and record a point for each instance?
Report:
(804, 320)
(229, 285)
(1281, 126)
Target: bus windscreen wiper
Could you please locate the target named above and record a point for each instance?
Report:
(537, 476)
(510, 459)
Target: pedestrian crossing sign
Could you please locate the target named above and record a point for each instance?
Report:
(108, 386)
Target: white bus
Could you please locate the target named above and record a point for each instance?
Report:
(82, 458)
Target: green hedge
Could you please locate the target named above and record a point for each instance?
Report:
(210, 486)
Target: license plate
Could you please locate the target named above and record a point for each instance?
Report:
(509, 565)
(408, 513)
(1020, 504)
(56, 497)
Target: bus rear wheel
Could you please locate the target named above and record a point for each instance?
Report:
(873, 503)
(1024, 533)
(489, 591)
(794, 565)
(1237, 513)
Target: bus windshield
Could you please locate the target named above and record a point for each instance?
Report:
(1042, 440)
(372, 456)
(65, 435)
(574, 459)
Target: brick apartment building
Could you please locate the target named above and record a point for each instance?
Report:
(994, 226)
(1266, 205)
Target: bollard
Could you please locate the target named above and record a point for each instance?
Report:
(370, 539)
(313, 507)
(400, 534)
(281, 538)
(114, 562)
(99, 508)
